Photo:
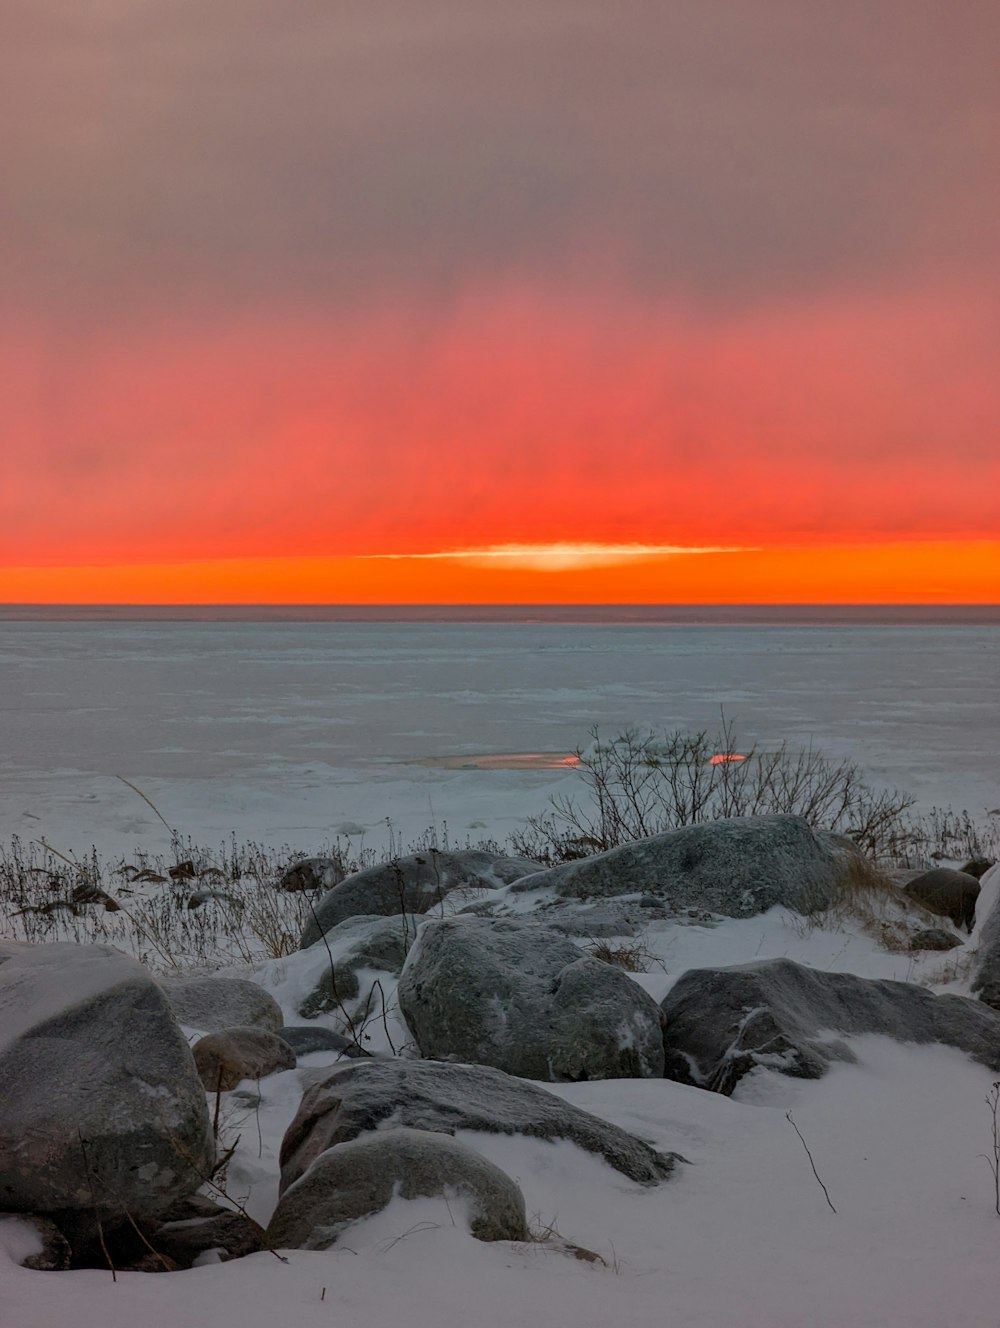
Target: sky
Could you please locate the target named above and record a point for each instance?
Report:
(547, 301)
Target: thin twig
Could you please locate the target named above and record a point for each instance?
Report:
(826, 1193)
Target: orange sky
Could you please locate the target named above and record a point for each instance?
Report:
(488, 280)
(941, 573)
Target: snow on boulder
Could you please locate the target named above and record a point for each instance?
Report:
(721, 1023)
(210, 1004)
(737, 866)
(376, 944)
(359, 1178)
(413, 884)
(376, 1095)
(101, 1105)
(521, 998)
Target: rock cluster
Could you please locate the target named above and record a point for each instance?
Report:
(105, 1134)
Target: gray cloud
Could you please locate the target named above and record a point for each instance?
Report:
(318, 151)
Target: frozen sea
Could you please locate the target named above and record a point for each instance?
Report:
(292, 732)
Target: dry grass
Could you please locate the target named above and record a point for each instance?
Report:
(872, 903)
(633, 956)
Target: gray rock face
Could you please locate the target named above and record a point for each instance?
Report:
(226, 1058)
(307, 1038)
(412, 885)
(100, 1100)
(948, 893)
(737, 867)
(522, 998)
(211, 1004)
(356, 1179)
(364, 1096)
(363, 942)
(721, 1023)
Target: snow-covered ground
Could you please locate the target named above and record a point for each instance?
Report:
(742, 1234)
(295, 732)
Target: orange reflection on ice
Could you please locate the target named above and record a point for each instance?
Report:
(502, 761)
(724, 758)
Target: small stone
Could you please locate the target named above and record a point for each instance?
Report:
(226, 1058)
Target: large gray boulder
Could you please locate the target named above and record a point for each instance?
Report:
(721, 1023)
(210, 1004)
(412, 885)
(359, 1178)
(948, 893)
(522, 998)
(373, 943)
(100, 1102)
(738, 866)
(348, 1100)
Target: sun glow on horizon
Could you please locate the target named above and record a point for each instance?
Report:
(563, 556)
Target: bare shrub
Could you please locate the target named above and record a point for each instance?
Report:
(644, 783)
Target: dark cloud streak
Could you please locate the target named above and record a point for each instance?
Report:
(716, 149)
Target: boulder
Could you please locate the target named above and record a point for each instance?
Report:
(312, 874)
(521, 998)
(948, 893)
(378, 943)
(986, 974)
(412, 885)
(737, 867)
(101, 1105)
(359, 1178)
(304, 1039)
(189, 1229)
(348, 1100)
(196, 1226)
(226, 1058)
(977, 867)
(934, 938)
(210, 1004)
(721, 1023)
